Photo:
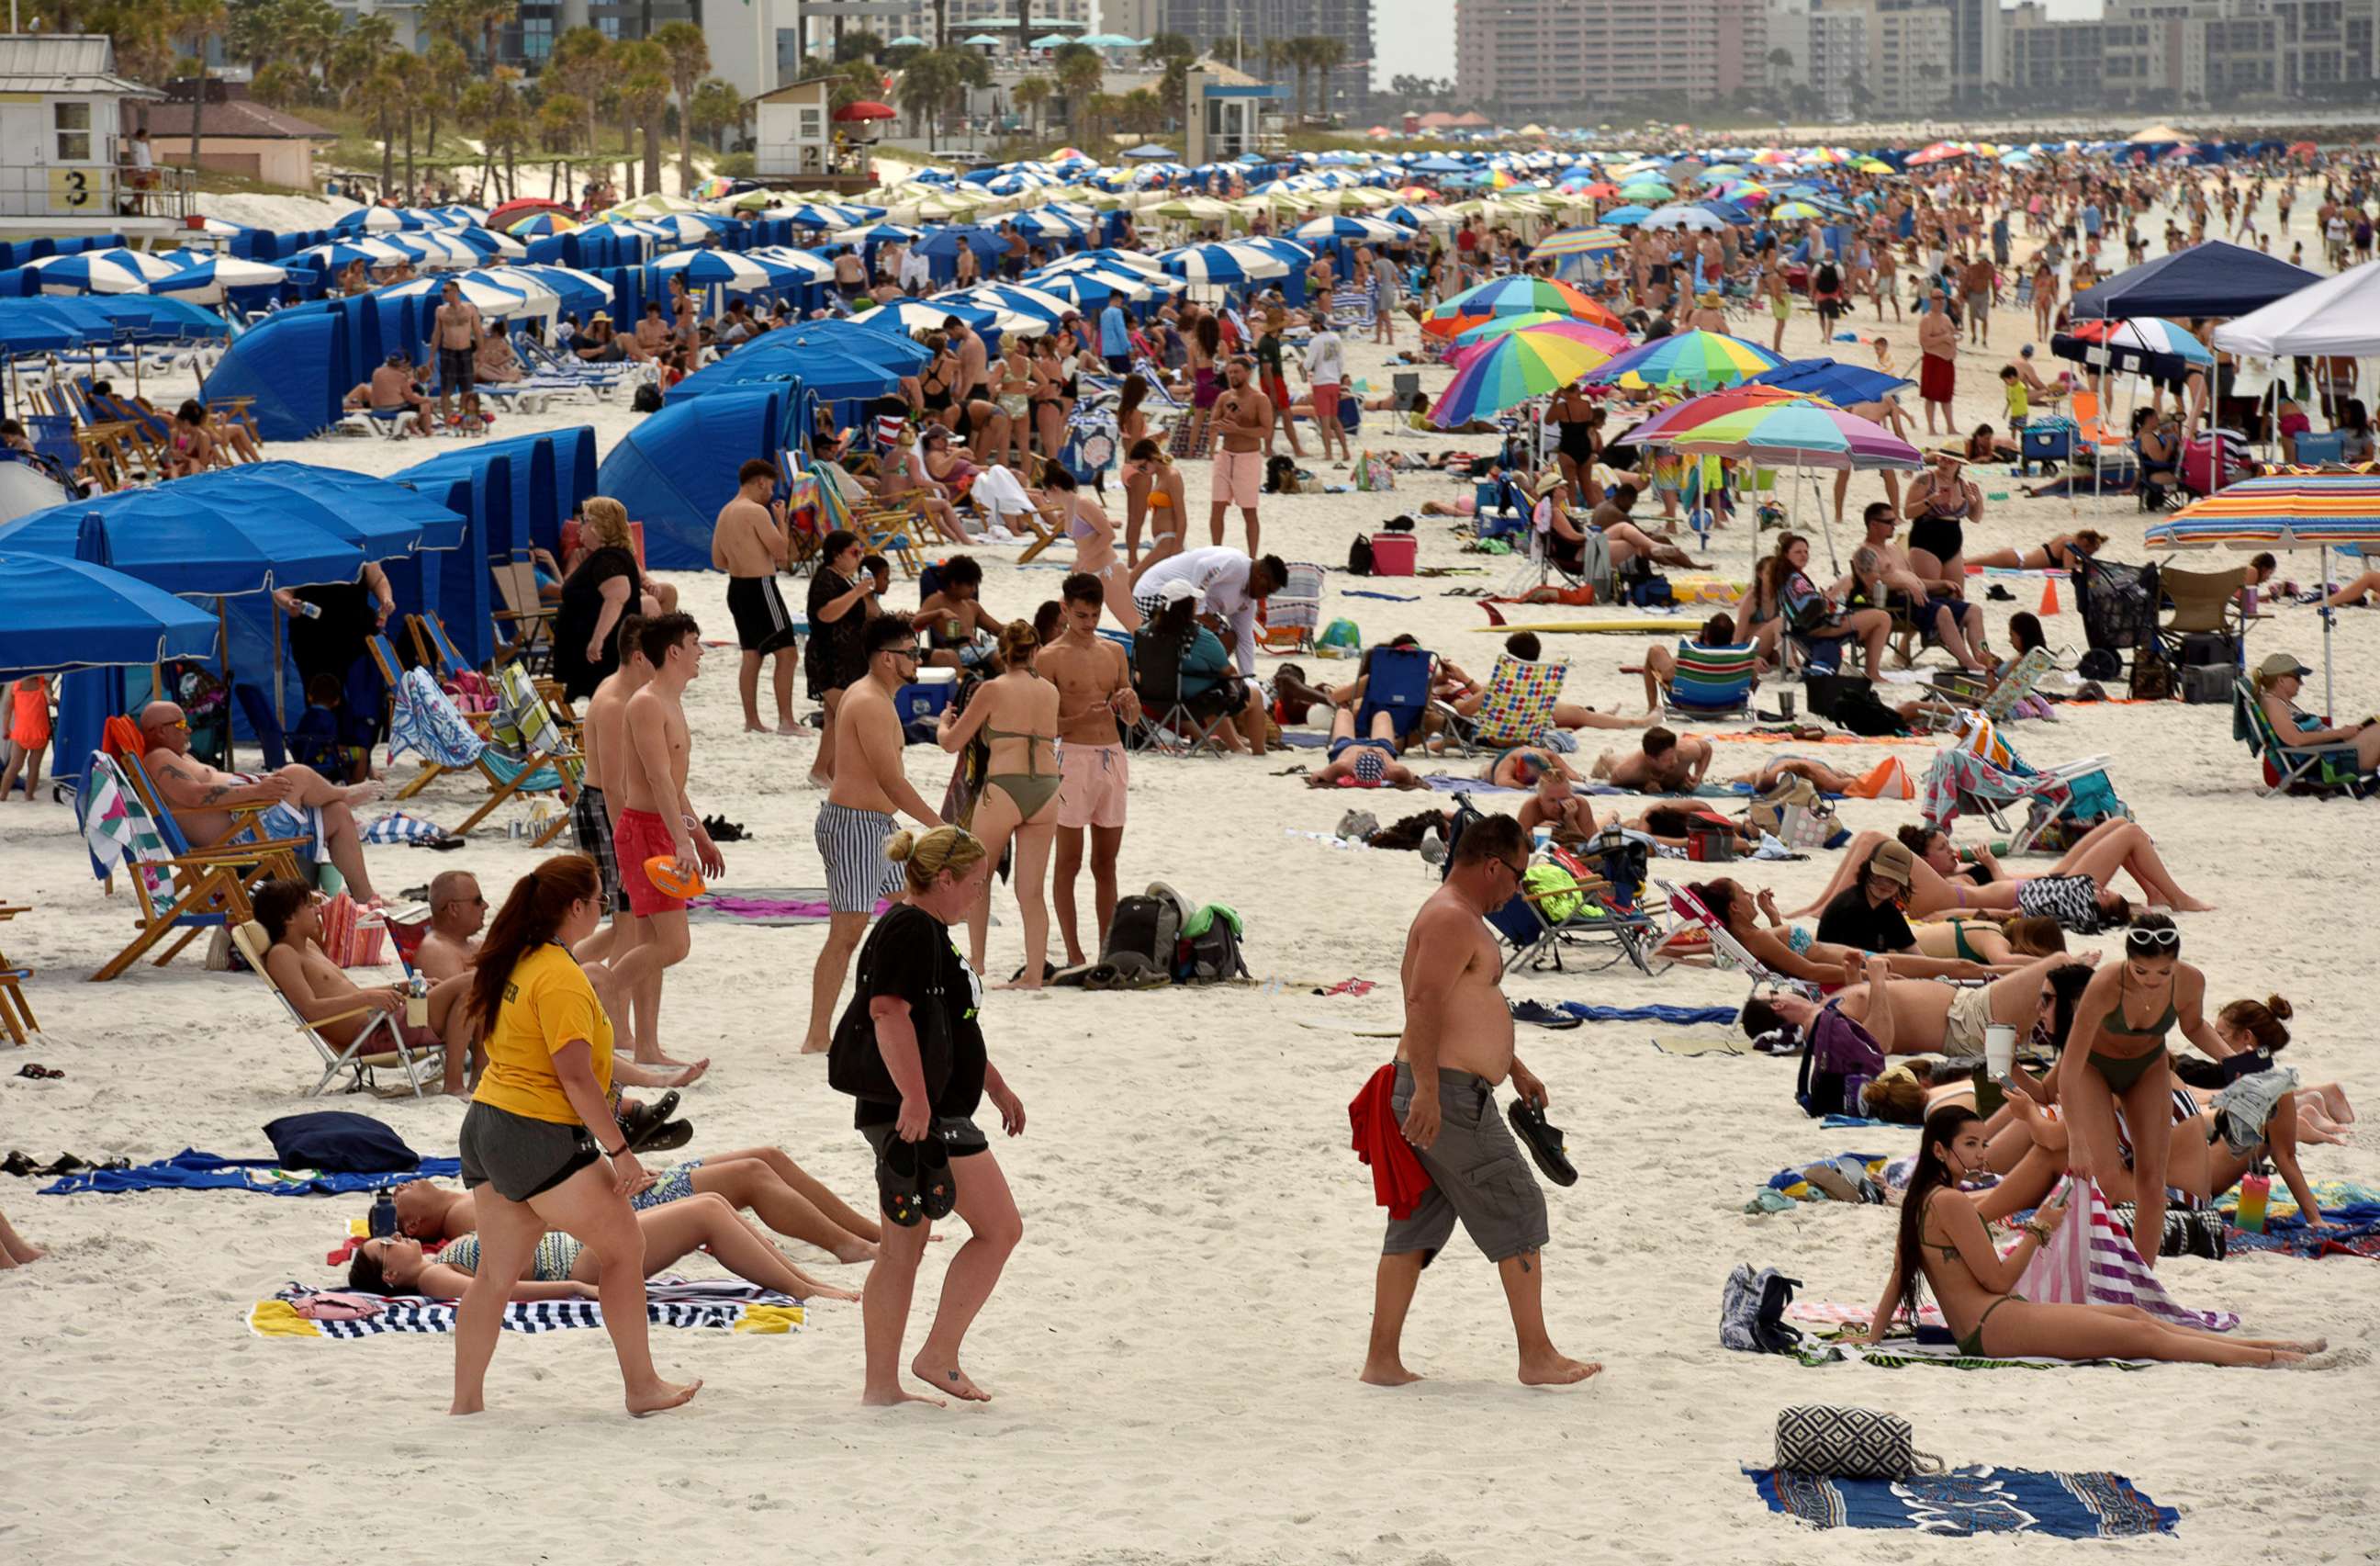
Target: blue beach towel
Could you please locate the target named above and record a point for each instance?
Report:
(1676, 1015)
(1966, 1501)
(192, 1171)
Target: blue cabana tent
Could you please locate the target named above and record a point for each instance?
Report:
(674, 470)
(2214, 278)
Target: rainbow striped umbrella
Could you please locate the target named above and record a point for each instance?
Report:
(1513, 295)
(1801, 432)
(538, 225)
(1695, 360)
(1495, 327)
(1580, 241)
(1510, 370)
(2323, 511)
(1698, 411)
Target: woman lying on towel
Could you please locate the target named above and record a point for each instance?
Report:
(2074, 892)
(566, 1270)
(784, 1196)
(1943, 1245)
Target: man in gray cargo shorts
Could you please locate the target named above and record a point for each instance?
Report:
(1456, 1046)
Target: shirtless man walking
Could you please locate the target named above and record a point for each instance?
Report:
(857, 815)
(1244, 418)
(1094, 682)
(1456, 1049)
(603, 734)
(657, 820)
(202, 798)
(981, 419)
(457, 330)
(751, 544)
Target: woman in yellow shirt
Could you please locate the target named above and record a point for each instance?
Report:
(539, 1146)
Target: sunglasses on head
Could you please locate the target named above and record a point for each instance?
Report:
(2151, 940)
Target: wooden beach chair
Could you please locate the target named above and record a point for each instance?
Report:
(180, 888)
(16, 1016)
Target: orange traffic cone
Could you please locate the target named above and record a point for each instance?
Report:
(2049, 597)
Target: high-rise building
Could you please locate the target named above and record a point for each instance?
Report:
(1253, 23)
(1536, 59)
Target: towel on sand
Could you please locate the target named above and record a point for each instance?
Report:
(192, 1171)
(1965, 1501)
(729, 1307)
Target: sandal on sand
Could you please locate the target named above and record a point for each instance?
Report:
(1543, 1141)
(40, 1073)
(897, 1176)
(938, 1188)
(640, 1121)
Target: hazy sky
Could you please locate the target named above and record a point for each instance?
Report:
(1416, 37)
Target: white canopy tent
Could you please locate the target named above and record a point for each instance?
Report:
(2339, 315)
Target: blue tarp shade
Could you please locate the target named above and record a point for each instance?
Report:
(2214, 278)
(70, 614)
(553, 473)
(299, 363)
(677, 469)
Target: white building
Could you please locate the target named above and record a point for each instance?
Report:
(66, 164)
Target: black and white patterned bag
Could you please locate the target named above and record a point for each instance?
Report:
(1849, 1443)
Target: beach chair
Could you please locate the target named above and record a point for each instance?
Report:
(1712, 682)
(359, 1057)
(894, 531)
(1168, 724)
(1397, 681)
(1726, 951)
(1978, 771)
(1517, 709)
(526, 612)
(2000, 702)
(180, 888)
(526, 720)
(426, 722)
(2325, 769)
(1291, 618)
(2203, 604)
(15, 1015)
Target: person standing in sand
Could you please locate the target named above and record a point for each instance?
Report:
(857, 818)
(751, 544)
(1095, 694)
(1244, 421)
(456, 329)
(1938, 368)
(1456, 1049)
(657, 821)
(603, 734)
(910, 1049)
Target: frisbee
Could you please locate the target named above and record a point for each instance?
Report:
(662, 871)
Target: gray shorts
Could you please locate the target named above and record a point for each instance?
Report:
(1477, 1174)
(960, 1136)
(852, 844)
(520, 1156)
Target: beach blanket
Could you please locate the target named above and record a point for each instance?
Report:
(1677, 1015)
(2354, 1232)
(1900, 1353)
(1966, 1501)
(1789, 1183)
(301, 1311)
(766, 905)
(1690, 1045)
(398, 827)
(192, 1171)
(2091, 1261)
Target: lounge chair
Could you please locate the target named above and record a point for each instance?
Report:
(1979, 771)
(2000, 702)
(526, 611)
(356, 1056)
(1517, 709)
(1292, 616)
(1712, 682)
(180, 888)
(1726, 951)
(1169, 725)
(2330, 768)
(15, 1015)
(1397, 681)
(426, 723)
(1538, 924)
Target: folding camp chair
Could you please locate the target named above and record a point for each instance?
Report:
(2000, 702)
(1978, 771)
(178, 888)
(1169, 725)
(356, 1056)
(1517, 707)
(2329, 767)
(1712, 682)
(1397, 681)
(426, 722)
(1580, 907)
(2203, 604)
(526, 611)
(15, 1015)
(1291, 618)
(1694, 918)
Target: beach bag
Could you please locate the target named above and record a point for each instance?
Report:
(1791, 792)
(1849, 1443)
(1341, 639)
(1837, 1050)
(646, 400)
(2152, 675)
(1554, 890)
(1752, 1311)
(339, 1142)
(1373, 473)
(1145, 927)
(1209, 952)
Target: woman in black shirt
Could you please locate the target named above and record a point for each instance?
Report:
(842, 602)
(910, 1051)
(604, 585)
(335, 640)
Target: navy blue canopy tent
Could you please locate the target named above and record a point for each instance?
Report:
(677, 468)
(2214, 278)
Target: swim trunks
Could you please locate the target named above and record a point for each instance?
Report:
(1239, 478)
(1476, 1175)
(852, 844)
(640, 835)
(456, 367)
(1963, 1028)
(761, 623)
(1091, 787)
(591, 824)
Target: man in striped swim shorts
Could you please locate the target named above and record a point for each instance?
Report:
(859, 814)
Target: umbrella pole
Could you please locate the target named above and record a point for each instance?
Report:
(1801, 479)
(2328, 614)
(280, 703)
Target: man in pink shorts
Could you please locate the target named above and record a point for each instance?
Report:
(1243, 418)
(1094, 695)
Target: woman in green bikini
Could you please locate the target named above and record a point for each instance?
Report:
(1017, 717)
(2118, 1055)
(1944, 1245)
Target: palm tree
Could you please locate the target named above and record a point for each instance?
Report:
(1325, 53)
(1175, 53)
(644, 86)
(1142, 111)
(579, 65)
(689, 62)
(925, 85)
(718, 108)
(450, 18)
(445, 72)
(1098, 113)
(1080, 72)
(1031, 95)
(492, 15)
(384, 97)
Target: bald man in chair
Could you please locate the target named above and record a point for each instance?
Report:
(202, 798)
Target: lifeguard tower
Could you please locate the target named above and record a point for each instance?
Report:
(66, 165)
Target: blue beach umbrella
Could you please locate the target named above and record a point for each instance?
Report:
(66, 614)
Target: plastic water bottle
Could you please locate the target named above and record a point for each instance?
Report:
(416, 1002)
(383, 1215)
(311, 611)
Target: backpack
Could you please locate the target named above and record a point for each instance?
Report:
(1145, 927)
(1837, 1052)
(1212, 956)
(1861, 710)
(648, 399)
(2152, 675)
(1752, 1311)
(1359, 556)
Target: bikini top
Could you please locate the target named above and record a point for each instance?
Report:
(2114, 1023)
(1075, 527)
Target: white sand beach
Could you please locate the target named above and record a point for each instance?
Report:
(1173, 1349)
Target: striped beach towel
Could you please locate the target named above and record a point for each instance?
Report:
(723, 1307)
(2091, 1261)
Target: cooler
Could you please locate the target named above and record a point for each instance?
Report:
(1393, 554)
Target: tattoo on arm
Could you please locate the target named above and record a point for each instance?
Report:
(215, 795)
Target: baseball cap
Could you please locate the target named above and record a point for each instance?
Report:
(1891, 862)
(2279, 666)
(1170, 592)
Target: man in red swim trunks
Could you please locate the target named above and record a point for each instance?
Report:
(657, 821)
(1937, 372)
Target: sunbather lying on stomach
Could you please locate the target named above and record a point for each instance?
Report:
(2111, 847)
(1923, 1016)
(1943, 1244)
(762, 1179)
(566, 1270)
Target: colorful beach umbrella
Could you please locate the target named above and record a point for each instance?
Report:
(1513, 295)
(1802, 433)
(1694, 361)
(1626, 216)
(1794, 212)
(2148, 334)
(1580, 241)
(1514, 367)
(1702, 410)
(538, 225)
(1587, 331)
